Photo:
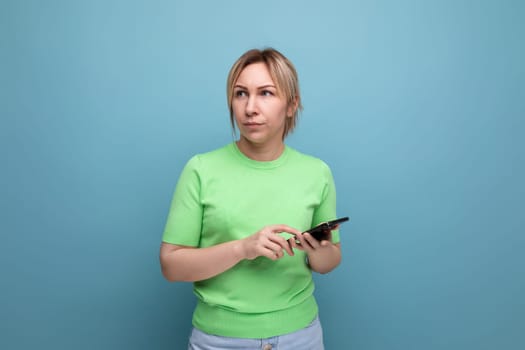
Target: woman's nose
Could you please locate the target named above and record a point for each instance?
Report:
(251, 105)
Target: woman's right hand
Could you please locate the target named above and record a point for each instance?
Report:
(185, 263)
(267, 242)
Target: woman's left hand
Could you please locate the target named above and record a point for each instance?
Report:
(323, 256)
(308, 243)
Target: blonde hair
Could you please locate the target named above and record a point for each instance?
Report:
(283, 74)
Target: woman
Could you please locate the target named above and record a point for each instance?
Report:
(236, 222)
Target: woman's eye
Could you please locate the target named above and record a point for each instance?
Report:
(240, 93)
(266, 93)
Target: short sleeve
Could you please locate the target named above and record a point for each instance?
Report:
(184, 223)
(327, 208)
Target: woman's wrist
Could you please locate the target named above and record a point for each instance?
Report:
(238, 250)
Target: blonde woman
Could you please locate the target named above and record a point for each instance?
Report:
(236, 222)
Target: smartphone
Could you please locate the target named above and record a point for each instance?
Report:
(322, 230)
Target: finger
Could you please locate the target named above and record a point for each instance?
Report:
(274, 247)
(325, 243)
(279, 244)
(284, 228)
(301, 241)
(294, 242)
(311, 241)
(283, 243)
(290, 243)
(272, 255)
(278, 254)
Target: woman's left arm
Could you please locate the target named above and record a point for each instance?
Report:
(323, 256)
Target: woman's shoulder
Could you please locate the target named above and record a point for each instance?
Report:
(215, 156)
(308, 161)
(305, 157)
(217, 153)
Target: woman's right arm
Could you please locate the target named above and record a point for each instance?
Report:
(183, 263)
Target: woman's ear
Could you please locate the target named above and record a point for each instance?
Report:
(292, 107)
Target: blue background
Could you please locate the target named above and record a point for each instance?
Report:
(417, 106)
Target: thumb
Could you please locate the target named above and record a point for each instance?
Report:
(325, 243)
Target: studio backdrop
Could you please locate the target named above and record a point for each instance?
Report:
(417, 106)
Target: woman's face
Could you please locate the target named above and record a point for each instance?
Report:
(260, 111)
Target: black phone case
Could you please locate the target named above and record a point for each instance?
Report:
(322, 230)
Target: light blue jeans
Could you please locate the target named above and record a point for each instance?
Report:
(308, 338)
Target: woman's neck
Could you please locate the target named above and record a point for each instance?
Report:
(261, 153)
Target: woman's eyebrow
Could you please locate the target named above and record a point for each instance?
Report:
(258, 87)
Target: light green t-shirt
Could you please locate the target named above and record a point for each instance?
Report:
(223, 196)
